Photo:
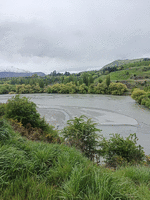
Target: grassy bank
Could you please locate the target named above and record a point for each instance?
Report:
(36, 163)
(38, 170)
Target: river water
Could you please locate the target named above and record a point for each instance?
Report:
(113, 114)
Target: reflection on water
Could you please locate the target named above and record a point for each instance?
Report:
(113, 114)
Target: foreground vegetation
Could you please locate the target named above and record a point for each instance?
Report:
(43, 165)
(38, 170)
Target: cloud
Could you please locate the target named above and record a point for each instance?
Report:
(74, 35)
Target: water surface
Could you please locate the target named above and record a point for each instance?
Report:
(113, 114)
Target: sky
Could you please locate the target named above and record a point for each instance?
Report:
(72, 35)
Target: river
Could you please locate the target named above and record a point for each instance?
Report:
(113, 114)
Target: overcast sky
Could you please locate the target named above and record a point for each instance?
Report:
(72, 35)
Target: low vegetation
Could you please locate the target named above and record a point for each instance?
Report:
(25, 118)
(141, 96)
(82, 133)
(61, 169)
(118, 151)
(38, 170)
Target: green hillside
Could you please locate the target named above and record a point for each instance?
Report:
(134, 73)
(123, 62)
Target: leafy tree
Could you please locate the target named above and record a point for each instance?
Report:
(41, 83)
(90, 80)
(85, 79)
(108, 80)
(91, 89)
(82, 133)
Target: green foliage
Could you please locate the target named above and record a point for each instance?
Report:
(117, 88)
(83, 89)
(137, 93)
(140, 174)
(141, 97)
(4, 132)
(82, 133)
(37, 170)
(25, 89)
(119, 151)
(23, 110)
(34, 127)
(101, 88)
(2, 109)
(6, 88)
(108, 80)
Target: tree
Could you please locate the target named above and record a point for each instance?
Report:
(108, 80)
(85, 79)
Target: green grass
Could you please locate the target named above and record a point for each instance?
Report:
(37, 170)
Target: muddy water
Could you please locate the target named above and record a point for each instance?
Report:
(113, 114)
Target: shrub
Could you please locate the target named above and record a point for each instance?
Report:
(101, 88)
(23, 110)
(120, 151)
(137, 94)
(117, 88)
(83, 89)
(2, 109)
(81, 133)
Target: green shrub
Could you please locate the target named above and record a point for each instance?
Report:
(120, 151)
(81, 133)
(141, 97)
(2, 109)
(37, 170)
(83, 89)
(117, 88)
(137, 94)
(101, 88)
(23, 110)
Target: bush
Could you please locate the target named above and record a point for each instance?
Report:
(117, 88)
(141, 97)
(137, 94)
(81, 133)
(101, 88)
(2, 109)
(23, 110)
(120, 151)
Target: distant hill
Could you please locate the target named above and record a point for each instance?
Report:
(19, 74)
(118, 63)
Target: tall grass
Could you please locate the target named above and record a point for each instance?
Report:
(37, 170)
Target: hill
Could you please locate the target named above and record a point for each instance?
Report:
(118, 63)
(19, 74)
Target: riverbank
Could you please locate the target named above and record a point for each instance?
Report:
(38, 170)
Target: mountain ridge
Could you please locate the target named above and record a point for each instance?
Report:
(118, 63)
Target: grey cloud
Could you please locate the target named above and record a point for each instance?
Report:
(74, 33)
